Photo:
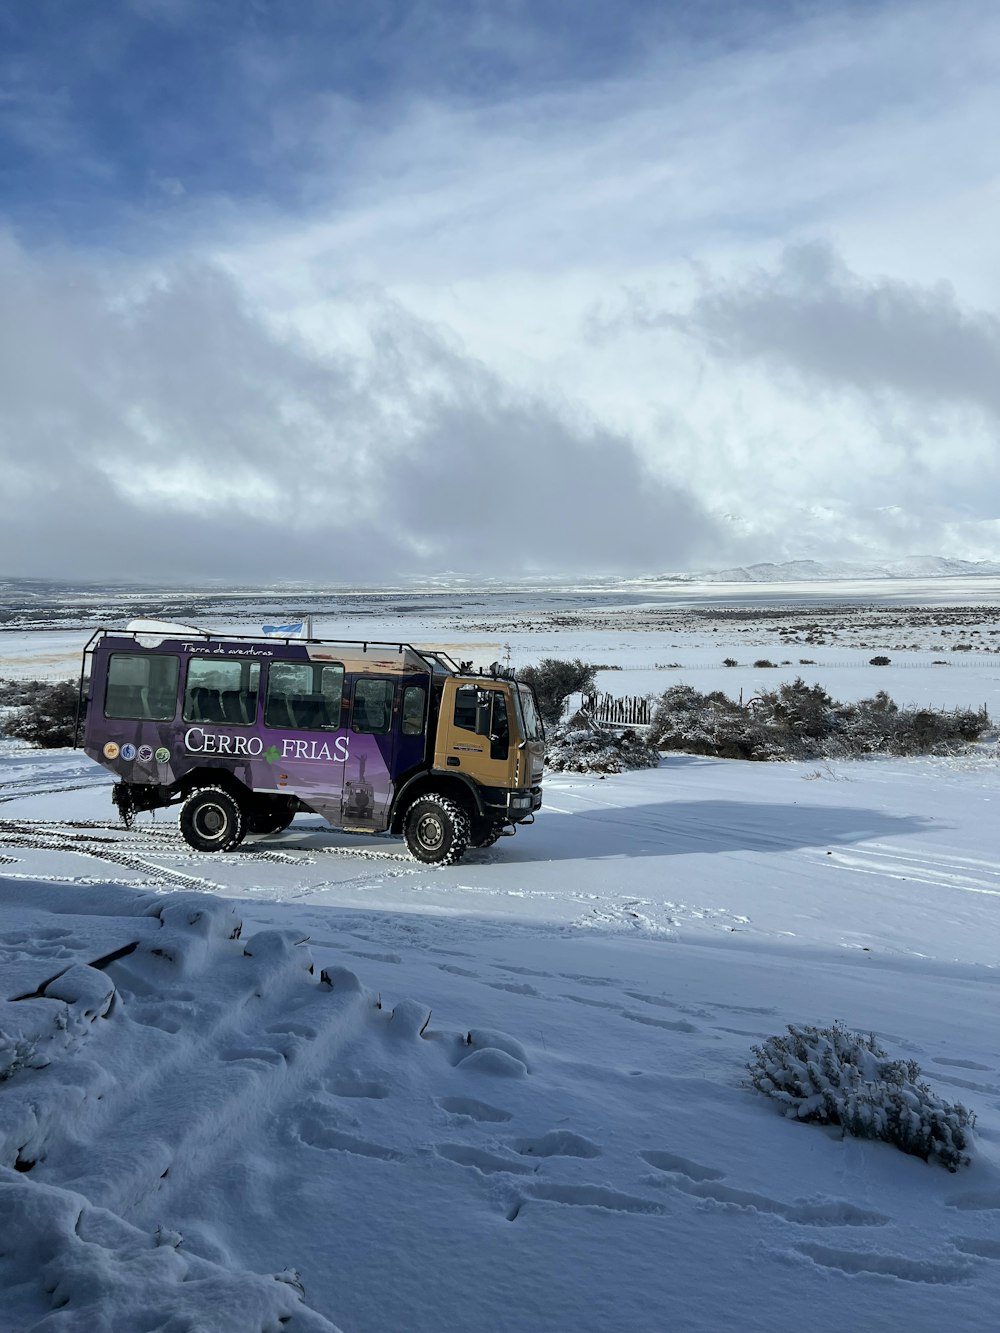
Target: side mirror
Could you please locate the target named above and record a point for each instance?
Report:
(483, 714)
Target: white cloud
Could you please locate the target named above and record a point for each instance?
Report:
(739, 302)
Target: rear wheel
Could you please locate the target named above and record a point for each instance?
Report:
(436, 830)
(212, 820)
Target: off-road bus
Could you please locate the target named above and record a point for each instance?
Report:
(243, 731)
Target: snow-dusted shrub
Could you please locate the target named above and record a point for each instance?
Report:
(879, 725)
(837, 1077)
(799, 721)
(579, 747)
(713, 724)
(554, 680)
(44, 714)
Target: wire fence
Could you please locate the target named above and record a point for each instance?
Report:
(959, 660)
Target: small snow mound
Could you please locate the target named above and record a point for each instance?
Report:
(409, 1018)
(88, 989)
(341, 979)
(493, 1061)
(206, 917)
(482, 1038)
(833, 1076)
(279, 948)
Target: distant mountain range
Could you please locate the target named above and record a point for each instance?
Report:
(816, 571)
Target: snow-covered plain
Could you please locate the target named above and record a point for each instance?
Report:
(509, 1094)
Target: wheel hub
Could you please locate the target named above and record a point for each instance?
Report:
(211, 822)
(430, 831)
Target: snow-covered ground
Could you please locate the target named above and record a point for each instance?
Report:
(506, 1095)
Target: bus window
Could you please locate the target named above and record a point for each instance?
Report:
(466, 698)
(414, 707)
(304, 696)
(222, 692)
(142, 687)
(372, 706)
(499, 728)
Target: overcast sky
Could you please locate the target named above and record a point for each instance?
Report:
(356, 289)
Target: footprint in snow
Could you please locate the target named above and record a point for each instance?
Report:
(898, 1266)
(701, 1182)
(557, 1143)
(661, 1001)
(357, 1087)
(585, 1196)
(983, 1247)
(514, 987)
(486, 1162)
(960, 1064)
(468, 1106)
(318, 1134)
(681, 1025)
(594, 1004)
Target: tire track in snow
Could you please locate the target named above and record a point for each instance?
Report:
(211, 1073)
(935, 870)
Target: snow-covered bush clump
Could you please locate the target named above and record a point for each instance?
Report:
(41, 712)
(837, 1077)
(799, 721)
(579, 747)
(713, 724)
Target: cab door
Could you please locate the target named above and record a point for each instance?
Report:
(474, 732)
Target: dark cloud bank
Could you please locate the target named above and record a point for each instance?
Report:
(163, 429)
(813, 315)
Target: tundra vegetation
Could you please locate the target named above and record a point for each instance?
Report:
(836, 1077)
(800, 721)
(39, 712)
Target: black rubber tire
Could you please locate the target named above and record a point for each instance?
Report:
(270, 814)
(484, 834)
(212, 820)
(436, 830)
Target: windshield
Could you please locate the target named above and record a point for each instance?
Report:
(531, 723)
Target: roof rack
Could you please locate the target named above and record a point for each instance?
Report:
(439, 662)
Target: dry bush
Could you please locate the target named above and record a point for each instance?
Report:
(43, 714)
(836, 1077)
(799, 721)
(579, 747)
(554, 680)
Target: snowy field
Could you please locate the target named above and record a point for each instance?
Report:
(506, 1095)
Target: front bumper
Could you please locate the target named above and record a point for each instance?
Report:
(513, 806)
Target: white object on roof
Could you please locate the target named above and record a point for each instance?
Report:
(151, 633)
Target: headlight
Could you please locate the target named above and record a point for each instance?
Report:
(520, 802)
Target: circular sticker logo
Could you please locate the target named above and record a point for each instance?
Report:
(128, 751)
(145, 753)
(163, 755)
(111, 750)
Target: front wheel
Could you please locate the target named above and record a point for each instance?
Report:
(212, 820)
(436, 830)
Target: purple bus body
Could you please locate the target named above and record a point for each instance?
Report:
(347, 776)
